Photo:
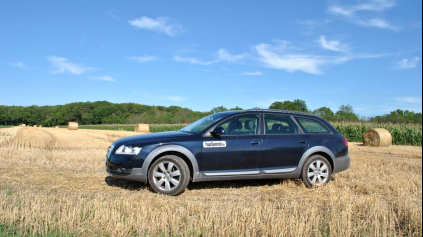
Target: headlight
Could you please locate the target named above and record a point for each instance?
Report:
(128, 150)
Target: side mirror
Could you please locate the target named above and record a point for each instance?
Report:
(218, 131)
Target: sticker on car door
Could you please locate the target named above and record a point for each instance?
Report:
(214, 144)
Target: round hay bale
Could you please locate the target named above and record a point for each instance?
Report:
(142, 128)
(72, 126)
(23, 125)
(35, 126)
(40, 126)
(378, 137)
(56, 127)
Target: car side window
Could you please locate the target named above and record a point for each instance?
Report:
(242, 125)
(312, 126)
(280, 125)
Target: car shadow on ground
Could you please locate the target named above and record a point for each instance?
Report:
(133, 185)
(242, 183)
(125, 184)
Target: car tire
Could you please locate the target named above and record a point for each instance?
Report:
(316, 171)
(169, 175)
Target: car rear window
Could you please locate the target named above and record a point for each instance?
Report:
(312, 126)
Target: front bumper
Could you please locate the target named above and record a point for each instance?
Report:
(341, 164)
(125, 167)
(135, 175)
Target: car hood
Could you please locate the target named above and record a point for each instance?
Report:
(134, 140)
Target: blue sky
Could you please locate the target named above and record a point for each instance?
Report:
(203, 54)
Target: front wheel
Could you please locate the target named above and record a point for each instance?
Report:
(316, 171)
(169, 175)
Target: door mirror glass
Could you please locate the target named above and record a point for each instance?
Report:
(218, 131)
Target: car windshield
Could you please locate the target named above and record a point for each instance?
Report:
(200, 125)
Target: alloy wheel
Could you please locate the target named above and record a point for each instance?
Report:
(318, 172)
(166, 176)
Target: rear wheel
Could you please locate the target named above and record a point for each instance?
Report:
(169, 175)
(316, 171)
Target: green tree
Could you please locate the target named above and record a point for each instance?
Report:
(346, 114)
(399, 116)
(296, 105)
(237, 108)
(218, 109)
(325, 113)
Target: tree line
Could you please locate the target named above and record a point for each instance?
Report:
(100, 112)
(345, 113)
(103, 112)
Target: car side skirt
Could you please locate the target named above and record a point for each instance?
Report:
(243, 175)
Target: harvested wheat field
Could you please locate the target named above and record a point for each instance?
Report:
(52, 181)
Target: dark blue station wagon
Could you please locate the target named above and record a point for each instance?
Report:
(233, 145)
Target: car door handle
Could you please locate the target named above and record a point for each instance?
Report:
(255, 143)
(303, 142)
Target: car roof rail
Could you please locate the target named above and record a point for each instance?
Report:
(279, 111)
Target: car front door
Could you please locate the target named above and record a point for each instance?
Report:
(283, 144)
(237, 152)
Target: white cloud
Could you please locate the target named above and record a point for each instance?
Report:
(17, 64)
(283, 56)
(257, 73)
(113, 15)
(62, 65)
(144, 59)
(372, 5)
(349, 12)
(288, 62)
(166, 97)
(411, 100)
(223, 55)
(201, 70)
(104, 78)
(333, 45)
(407, 63)
(271, 56)
(161, 25)
(379, 23)
(194, 61)
(341, 11)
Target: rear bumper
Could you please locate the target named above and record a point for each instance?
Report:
(341, 164)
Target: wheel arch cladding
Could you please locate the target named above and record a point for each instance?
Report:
(179, 151)
(319, 150)
(178, 154)
(327, 158)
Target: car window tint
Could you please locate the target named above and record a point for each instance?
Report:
(280, 125)
(242, 125)
(312, 126)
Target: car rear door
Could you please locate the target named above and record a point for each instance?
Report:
(237, 152)
(284, 144)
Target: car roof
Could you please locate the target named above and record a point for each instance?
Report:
(275, 111)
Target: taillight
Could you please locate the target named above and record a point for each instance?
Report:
(345, 141)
